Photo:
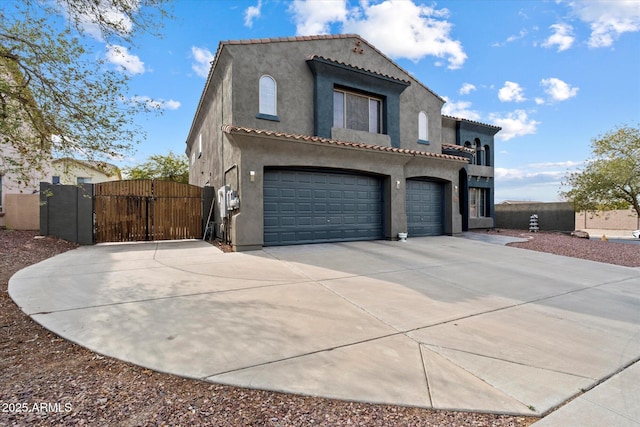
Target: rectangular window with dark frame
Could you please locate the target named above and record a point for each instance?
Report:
(356, 111)
(479, 203)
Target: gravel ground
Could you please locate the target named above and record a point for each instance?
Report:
(46, 380)
(562, 244)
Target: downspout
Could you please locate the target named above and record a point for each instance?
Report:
(229, 169)
(222, 178)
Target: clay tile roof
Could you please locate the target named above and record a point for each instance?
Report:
(231, 129)
(312, 57)
(458, 148)
(459, 119)
(289, 39)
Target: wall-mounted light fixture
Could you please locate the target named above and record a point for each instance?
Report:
(252, 176)
(397, 184)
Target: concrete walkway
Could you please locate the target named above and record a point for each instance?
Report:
(436, 322)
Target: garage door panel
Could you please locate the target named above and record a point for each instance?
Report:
(424, 208)
(304, 193)
(326, 207)
(305, 208)
(304, 221)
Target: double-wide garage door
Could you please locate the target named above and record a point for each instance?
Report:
(304, 206)
(424, 208)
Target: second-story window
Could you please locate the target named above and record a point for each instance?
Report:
(356, 111)
(268, 96)
(479, 153)
(423, 126)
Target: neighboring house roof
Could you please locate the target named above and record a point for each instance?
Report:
(460, 119)
(231, 129)
(103, 167)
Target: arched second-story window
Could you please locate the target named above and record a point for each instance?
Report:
(423, 127)
(479, 152)
(487, 156)
(268, 96)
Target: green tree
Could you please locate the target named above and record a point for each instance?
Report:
(171, 167)
(57, 95)
(611, 178)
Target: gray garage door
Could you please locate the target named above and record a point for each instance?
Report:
(317, 206)
(424, 208)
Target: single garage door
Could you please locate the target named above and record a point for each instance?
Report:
(318, 206)
(424, 208)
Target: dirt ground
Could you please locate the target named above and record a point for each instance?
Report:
(46, 380)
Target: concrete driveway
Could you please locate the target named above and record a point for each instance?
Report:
(437, 322)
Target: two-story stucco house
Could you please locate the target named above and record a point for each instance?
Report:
(325, 139)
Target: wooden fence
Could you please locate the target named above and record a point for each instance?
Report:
(135, 210)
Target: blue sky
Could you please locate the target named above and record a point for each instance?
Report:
(552, 74)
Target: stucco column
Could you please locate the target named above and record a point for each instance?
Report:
(247, 226)
(452, 201)
(395, 192)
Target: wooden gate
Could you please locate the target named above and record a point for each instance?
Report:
(127, 211)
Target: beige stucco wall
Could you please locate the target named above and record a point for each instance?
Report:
(22, 211)
(14, 185)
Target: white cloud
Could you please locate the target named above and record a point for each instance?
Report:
(467, 88)
(514, 124)
(511, 92)
(399, 28)
(558, 90)
(461, 109)
(566, 164)
(535, 181)
(251, 13)
(607, 19)
(528, 175)
(511, 39)
(120, 56)
(170, 104)
(562, 37)
(313, 17)
(539, 101)
(202, 58)
(157, 104)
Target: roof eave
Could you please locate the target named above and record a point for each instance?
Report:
(231, 129)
